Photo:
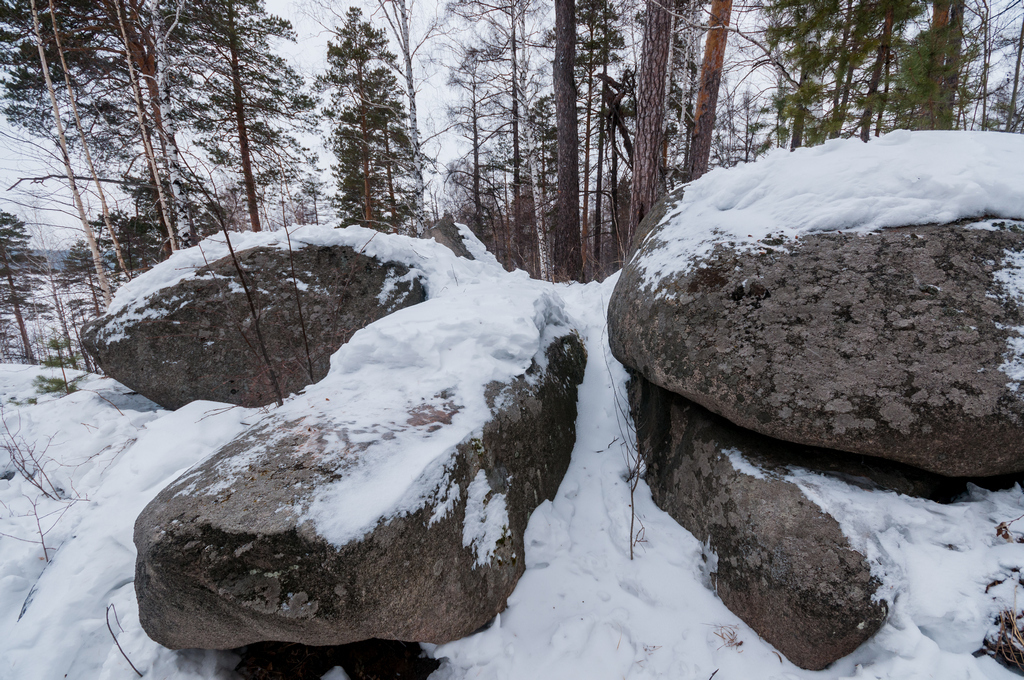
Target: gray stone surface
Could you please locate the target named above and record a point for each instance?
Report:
(196, 339)
(447, 234)
(220, 566)
(888, 344)
(783, 566)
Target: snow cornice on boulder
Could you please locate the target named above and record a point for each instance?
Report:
(900, 179)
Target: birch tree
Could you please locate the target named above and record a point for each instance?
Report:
(101, 274)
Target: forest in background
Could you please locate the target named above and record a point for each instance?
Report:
(171, 120)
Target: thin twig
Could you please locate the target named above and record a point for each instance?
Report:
(109, 607)
(298, 304)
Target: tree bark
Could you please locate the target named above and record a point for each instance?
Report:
(650, 108)
(16, 308)
(588, 126)
(543, 257)
(147, 143)
(1011, 117)
(947, 25)
(597, 268)
(172, 154)
(364, 131)
(568, 262)
(876, 74)
(239, 110)
(514, 232)
(951, 76)
(419, 210)
(85, 144)
(710, 80)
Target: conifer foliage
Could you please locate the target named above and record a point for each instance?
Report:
(550, 127)
(371, 146)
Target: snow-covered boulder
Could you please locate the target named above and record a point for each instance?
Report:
(185, 331)
(791, 297)
(390, 499)
(775, 558)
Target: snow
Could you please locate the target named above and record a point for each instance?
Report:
(132, 298)
(1011, 282)
(486, 519)
(899, 179)
(583, 609)
(453, 346)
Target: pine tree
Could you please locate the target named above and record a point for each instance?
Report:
(810, 37)
(252, 99)
(369, 137)
(567, 253)
(14, 249)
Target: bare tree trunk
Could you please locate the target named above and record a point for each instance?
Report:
(243, 131)
(884, 98)
(1012, 116)
(954, 42)
(650, 107)
(419, 211)
(597, 269)
(90, 237)
(687, 58)
(613, 151)
(85, 144)
(147, 144)
(543, 260)
(710, 79)
(587, 249)
(172, 155)
(16, 308)
(478, 208)
(947, 24)
(514, 232)
(568, 262)
(876, 74)
(986, 64)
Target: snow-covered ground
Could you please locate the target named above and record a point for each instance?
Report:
(584, 609)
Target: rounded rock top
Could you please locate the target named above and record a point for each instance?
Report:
(861, 297)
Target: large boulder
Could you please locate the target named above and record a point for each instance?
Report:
(783, 566)
(309, 299)
(449, 234)
(907, 343)
(387, 501)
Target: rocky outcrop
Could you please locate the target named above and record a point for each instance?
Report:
(447, 233)
(904, 344)
(783, 566)
(197, 339)
(229, 554)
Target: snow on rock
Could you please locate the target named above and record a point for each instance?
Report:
(583, 609)
(773, 307)
(425, 256)
(902, 178)
(1011, 282)
(486, 519)
(408, 474)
